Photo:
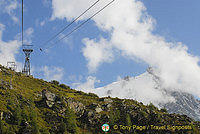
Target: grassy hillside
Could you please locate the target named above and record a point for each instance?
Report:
(35, 106)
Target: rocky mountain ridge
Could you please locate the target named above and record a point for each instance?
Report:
(147, 88)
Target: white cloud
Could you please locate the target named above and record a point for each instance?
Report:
(65, 8)
(9, 6)
(87, 86)
(42, 23)
(8, 50)
(52, 73)
(74, 78)
(97, 52)
(46, 3)
(68, 41)
(119, 78)
(131, 30)
(28, 35)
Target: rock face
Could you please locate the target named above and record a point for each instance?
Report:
(49, 98)
(185, 104)
(98, 110)
(108, 100)
(78, 107)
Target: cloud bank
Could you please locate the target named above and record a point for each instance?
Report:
(9, 49)
(97, 53)
(52, 73)
(131, 32)
(87, 86)
(9, 7)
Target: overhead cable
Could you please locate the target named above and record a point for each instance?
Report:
(53, 37)
(22, 23)
(79, 26)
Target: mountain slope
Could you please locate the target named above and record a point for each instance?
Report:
(146, 88)
(185, 104)
(34, 106)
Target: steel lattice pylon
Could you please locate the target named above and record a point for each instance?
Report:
(27, 51)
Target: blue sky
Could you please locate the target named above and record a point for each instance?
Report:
(177, 21)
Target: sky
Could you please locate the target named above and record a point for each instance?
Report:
(123, 40)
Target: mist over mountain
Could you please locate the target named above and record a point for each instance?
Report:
(147, 88)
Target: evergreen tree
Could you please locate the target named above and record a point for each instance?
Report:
(63, 127)
(128, 120)
(33, 118)
(70, 121)
(3, 129)
(18, 115)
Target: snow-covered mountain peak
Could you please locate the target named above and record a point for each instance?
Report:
(144, 88)
(147, 88)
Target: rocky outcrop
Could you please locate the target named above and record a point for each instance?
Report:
(108, 100)
(49, 98)
(98, 110)
(76, 106)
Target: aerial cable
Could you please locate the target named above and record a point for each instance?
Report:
(53, 37)
(22, 23)
(79, 26)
